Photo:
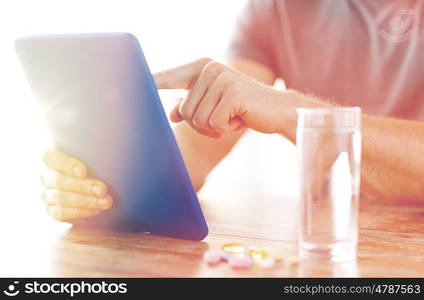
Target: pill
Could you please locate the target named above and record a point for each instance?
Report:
(225, 256)
(237, 262)
(212, 257)
(278, 258)
(257, 254)
(233, 248)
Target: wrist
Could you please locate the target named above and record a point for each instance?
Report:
(291, 100)
(288, 119)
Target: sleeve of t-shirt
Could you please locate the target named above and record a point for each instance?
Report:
(254, 33)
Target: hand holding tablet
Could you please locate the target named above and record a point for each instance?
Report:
(69, 194)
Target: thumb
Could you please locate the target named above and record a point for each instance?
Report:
(174, 115)
(181, 77)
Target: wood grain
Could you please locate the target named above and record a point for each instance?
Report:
(391, 244)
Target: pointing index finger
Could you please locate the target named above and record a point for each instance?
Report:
(181, 77)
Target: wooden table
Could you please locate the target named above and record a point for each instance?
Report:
(391, 244)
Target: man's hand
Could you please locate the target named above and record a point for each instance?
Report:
(221, 100)
(68, 194)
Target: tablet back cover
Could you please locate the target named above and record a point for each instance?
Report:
(102, 107)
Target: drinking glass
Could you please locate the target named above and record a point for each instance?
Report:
(329, 150)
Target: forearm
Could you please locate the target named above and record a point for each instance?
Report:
(222, 101)
(393, 161)
(392, 150)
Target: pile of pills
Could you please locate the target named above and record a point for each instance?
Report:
(238, 256)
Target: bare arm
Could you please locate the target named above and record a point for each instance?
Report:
(392, 153)
(393, 160)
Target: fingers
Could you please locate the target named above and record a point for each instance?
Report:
(222, 119)
(56, 159)
(75, 200)
(188, 106)
(181, 77)
(88, 186)
(174, 115)
(206, 78)
(66, 214)
(70, 195)
(206, 81)
(208, 104)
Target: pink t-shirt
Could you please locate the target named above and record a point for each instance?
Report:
(365, 53)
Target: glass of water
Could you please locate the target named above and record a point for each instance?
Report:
(329, 149)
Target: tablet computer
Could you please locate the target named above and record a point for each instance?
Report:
(102, 107)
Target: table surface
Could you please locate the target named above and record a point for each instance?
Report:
(391, 243)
